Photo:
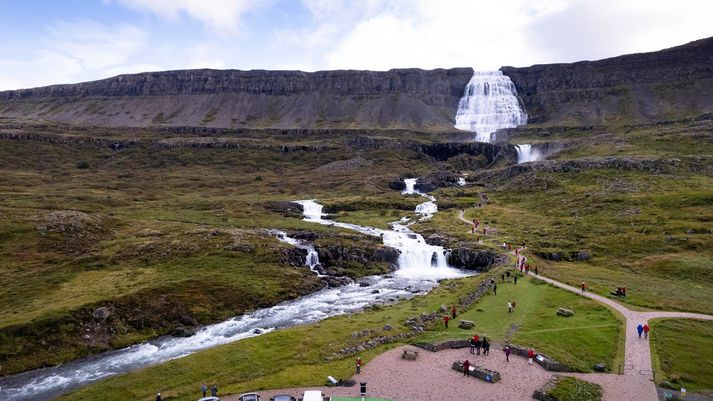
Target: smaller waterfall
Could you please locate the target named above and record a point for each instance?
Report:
(461, 181)
(526, 153)
(410, 186)
(489, 103)
(312, 258)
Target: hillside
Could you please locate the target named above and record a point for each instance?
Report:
(407, 99)
(668, 84)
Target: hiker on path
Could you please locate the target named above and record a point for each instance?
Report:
(453, 311)
(158, 396)
(584, 286)
(515, 279)
(507, 273)
(446, 319)
(472, 345)
(214, 390)
(507, 354)
(478, 342)
(204, 389)
(466, 368)
(640, 329)
(495, 288)
(536, 274)
(486, 346)
(646, 330)
(530, 355)
(358, 365)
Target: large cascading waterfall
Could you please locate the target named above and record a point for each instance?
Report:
(489, 103)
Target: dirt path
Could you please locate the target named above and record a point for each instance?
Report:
(637, 359)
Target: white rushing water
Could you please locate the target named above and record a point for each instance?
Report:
(526, 153)
(312, 258)
(489, 103)
(461, 181)
(426, 209)
(420, 266)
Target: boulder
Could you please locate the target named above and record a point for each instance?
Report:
(565, 312)
(600, 367)
(183, 331)
(388, 327)
(101, 313)
(466, 324)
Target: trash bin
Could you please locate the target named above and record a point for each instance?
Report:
(362, 389)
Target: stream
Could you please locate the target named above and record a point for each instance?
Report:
(420, 266)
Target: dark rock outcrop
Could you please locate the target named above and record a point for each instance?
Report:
(667, 84)
(469, 259)
(402, 98)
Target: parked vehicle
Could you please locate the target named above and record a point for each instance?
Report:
(283, 397)
(312, 395)
(249, 397)
(209, 399)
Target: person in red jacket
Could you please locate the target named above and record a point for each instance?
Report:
(646, 330)
(453, 311)
(446, 319)
(466, 368)
(530, 355)
(584, 286)
(358, 365)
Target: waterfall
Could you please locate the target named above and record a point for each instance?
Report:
(489, 103)
(312, 258)
(417, 259)
(461, 181)
(410, 186)
(526, 153)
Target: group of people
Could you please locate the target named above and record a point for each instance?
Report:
(476, 343)
(643, 330)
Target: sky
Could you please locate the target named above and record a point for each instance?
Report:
(45, 42)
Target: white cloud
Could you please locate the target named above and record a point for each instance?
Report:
(219, 16)
(72, 52)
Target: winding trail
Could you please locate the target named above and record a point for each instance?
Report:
(637, 351)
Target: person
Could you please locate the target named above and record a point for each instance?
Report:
(478, 342)
(584, 286)
(530, 355)
(453, 311)
(509, 247)
(485, 230)
(158, 396)
(204, 389)
(509, 307)
(214, 390)
(502, 277)
(507, 273)
(536, 274)
(486, 346)
(466, 368)
(446, 319)
(527, 268)
(472, 345)
(640, 329)
(515, 279)
(507, 354)
(646, 330)
(358, 365)
(495, 288)
(513, 306)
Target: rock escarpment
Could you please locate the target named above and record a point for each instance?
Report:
(404, 98)
(668, 84)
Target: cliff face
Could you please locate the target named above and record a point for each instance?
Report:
(668, 84)
(407, 98)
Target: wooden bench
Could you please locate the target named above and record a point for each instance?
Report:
(409, 355)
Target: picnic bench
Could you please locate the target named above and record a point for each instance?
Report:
(409, 355)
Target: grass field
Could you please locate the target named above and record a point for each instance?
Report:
(681, 350)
